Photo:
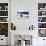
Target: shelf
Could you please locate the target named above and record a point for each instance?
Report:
(41, 28)
(4, 19)
(3, 22)
(3, 16)
(41, 22)
(42, 19)
(41, 10)
(3, 10)
(42, 16)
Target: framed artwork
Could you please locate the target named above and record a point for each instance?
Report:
(42, 32)
(23, 13)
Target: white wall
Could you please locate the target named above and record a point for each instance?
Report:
(32, 5)
(23, 24)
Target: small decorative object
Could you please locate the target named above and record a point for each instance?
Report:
(45, 7)
(42, 32)
(31, 27)
(42, 19)
(6, 7)
(39, 19)
(0, 7)
(43, 13)
(23, 13)
(3, 19)
(41, 8)
(42, 25)
(13, 27)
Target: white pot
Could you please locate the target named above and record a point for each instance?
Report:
(22, 43)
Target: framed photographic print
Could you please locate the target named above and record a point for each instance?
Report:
(23, 13)
(42, 32)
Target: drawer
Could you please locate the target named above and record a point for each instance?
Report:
(3, 41)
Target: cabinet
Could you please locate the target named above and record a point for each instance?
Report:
(42, 19)
(4, 19)
(42, 41)
(3, 40)
(4, 22)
